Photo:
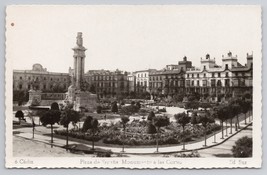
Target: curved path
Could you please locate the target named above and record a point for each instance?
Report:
(139, 150)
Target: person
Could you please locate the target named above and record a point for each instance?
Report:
(105, 117)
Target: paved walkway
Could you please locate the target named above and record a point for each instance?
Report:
(225, 149)
(140, 150)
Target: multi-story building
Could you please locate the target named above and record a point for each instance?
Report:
(142, 80)
(40, 79)
(227, 80)
(170, 80)
(131, 80)
(107, 83)
(102, 82)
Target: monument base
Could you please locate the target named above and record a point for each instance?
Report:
(85, 100)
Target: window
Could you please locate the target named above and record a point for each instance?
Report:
(226, 66)
(204, 67)
(212, 75)
(44, 87)
(204, 83)
(44, 78)
(29, 78)
(188, 83)
(204, 75)
(197, 82)
(213, 83)
(29, 86)
(226, 74)
(192, 83)
(192, 75)
(20, 78)
(51, 79)
(20, 86)
(219, 83)
(227, 82)
(219, 74)
(197, 75)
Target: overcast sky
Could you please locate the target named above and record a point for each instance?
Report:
(130, 38)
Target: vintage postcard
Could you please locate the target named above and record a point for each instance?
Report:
(133, 86)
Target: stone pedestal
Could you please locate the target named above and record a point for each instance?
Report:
(85, 100)
(35, 98)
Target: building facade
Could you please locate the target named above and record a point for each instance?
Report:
(170, 80)
(107, 83)
(40, 79)
(142, 80)
(220, 82)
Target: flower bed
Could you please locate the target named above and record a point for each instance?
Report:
(136, 134)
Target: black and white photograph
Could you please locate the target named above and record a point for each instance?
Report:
(133, 86)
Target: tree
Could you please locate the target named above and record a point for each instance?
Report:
(129, 110)
(178, 97)
(205, 105)
(20, 115)
(124, 121)
(182, 119)
(151, 129)
(221, 113)
(50, 118)
(236, 111)
(92, 89)
(205, 120)
(214, 115)
(243, 147)
(138, 104)
(150, 116)
(54, 106)
(231, 114)
(68, 116)
(99, 109)
(87, 124)
(114, 107)
(194, 118)
(31, 116)
(245, 108)
(160, 121)
(94, 127)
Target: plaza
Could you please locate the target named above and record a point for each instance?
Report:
(148, 112)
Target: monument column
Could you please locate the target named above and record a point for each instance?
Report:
(79, 56)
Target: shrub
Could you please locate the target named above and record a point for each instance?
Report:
(243, 147)
(99, 109)
(162, 110)
(104, 154)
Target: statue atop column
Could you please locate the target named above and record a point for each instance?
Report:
(77, 95)
(79, 56)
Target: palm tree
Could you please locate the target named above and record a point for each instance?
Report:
(205, 120)
(50, 118)
(160, 121)
(94, 125)
(124, 121)
(183, 119)
(67, 116)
